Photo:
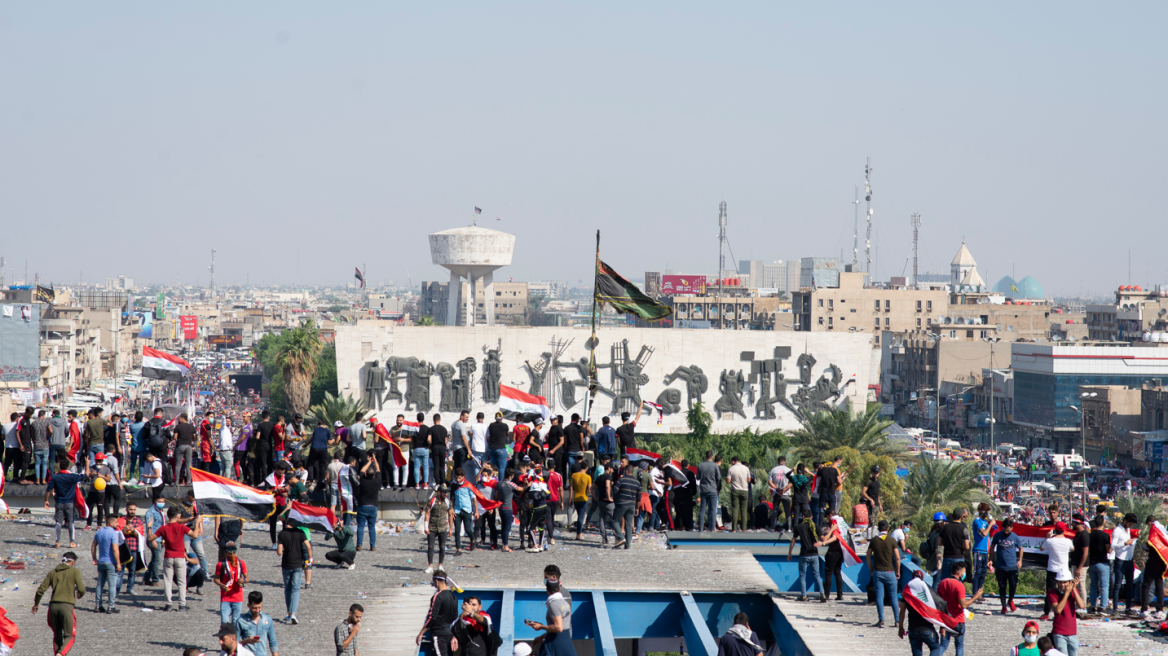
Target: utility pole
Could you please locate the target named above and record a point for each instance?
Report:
(868, 235)
(856, 231)
(722, 218)
(916, 223)
(212, 270)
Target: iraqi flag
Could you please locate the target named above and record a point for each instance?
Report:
(345, 489)
(9, 634)
(163, 366)
(484, 502)
(638, 455)
(514, 403)
(360, 277)
(312, 517)
(1158, 541)
(920, 598)
(399, 458)
(223, 497)
(840, 529)
(80, 508)
(675, 473)
(410, 427)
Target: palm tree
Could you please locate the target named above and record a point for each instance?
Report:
(335, 408)
(297, 361)
(838, 427)
(426, 321)
(946, 484)
(1141, 507)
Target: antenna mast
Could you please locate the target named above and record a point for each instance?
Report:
(722, 218)
(856, 231)
(868, 235)
(212, 268)
(916, 223)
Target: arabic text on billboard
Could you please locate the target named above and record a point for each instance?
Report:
(683, 284)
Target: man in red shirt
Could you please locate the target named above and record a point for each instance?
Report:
(205, 429)
(230, 576)
(175, 555)
(555, 484)
(1064, 600)
(952, 590)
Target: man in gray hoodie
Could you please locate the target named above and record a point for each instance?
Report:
(58, 437)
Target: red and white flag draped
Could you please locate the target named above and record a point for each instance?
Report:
(513, 403)
(637, 455)
(840, 528)
(9, 634)
(485, 503)
(918, 596)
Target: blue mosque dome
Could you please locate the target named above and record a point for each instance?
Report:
(1003, 286)
(1026, 288)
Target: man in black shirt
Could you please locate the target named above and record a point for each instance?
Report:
(263, 448)
(184, 442)
(808, 558)
(1080, 554)
(574, 435)
(1097, 556)
(473, 628)
(555, 442)
(626, 434)
(498, 434)
(920, 632)
(438, 438)
(443, 612)
(294, 551)
(955, 542)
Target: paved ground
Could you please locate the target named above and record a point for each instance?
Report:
(377, 583)
(846, 628)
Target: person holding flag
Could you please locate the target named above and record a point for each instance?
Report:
(838, 552)
(924, 618)
(952, 590)
(9, 634)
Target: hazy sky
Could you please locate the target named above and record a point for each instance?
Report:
(301, 139)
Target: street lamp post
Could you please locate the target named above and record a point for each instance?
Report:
(992, 341)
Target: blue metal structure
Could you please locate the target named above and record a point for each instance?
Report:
(606, 616)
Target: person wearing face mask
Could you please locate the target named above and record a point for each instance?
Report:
(155, 519)
(552, 574)
(557, 638)
(981, 544)
(1029, 646)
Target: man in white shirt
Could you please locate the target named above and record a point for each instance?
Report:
(900, 533)
(226, 450)
(1122, 568)
(478, 448)
(1058, 549)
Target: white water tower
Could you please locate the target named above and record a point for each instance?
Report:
(472, 253)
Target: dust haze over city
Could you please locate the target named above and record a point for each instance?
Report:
(168, 131)
(612, 305)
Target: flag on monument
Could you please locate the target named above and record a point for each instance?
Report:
(513, 402)
(312, 517)
(360, 277)
(477, 210)
(226, 498)
(1013, 288)
(9, 634)
(625, 297)
(163, 366)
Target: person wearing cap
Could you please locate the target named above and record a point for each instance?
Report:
(1029, 646)
(229, 642)
(1058, 548)
(521, 649)
(557, 626)
(870, 494)
(1064, 600)
(68, 586)
(1122, 568)
(230, 577)
(442, 614)
(318, 456)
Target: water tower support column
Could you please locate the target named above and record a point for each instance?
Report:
(470, 299)
(452, 299)
(489, 296)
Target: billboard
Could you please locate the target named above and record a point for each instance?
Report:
(190, 326)
(20, 344)
(145, 321)
(225, 340)
(683, 284)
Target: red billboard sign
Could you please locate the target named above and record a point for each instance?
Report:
(683, 284)
(190, 326)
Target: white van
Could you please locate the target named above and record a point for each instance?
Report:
(951, 444)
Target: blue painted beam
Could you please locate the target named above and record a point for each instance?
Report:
(506, 626)
(698, 639)
(602, 627)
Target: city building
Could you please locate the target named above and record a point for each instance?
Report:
(816, 272)
(850, 306)
(920, 363)
(1048, 377)
(728, 312)
(1110, 414)
(1138, 315)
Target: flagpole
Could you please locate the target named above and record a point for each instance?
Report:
(592, 342)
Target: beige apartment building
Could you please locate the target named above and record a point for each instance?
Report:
(853, 307)
(510, 303)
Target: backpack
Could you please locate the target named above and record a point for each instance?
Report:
(156, 436)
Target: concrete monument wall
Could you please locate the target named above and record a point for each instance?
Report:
(763, 379)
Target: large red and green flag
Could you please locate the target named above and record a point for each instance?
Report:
(218, 496)
(625, 297)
